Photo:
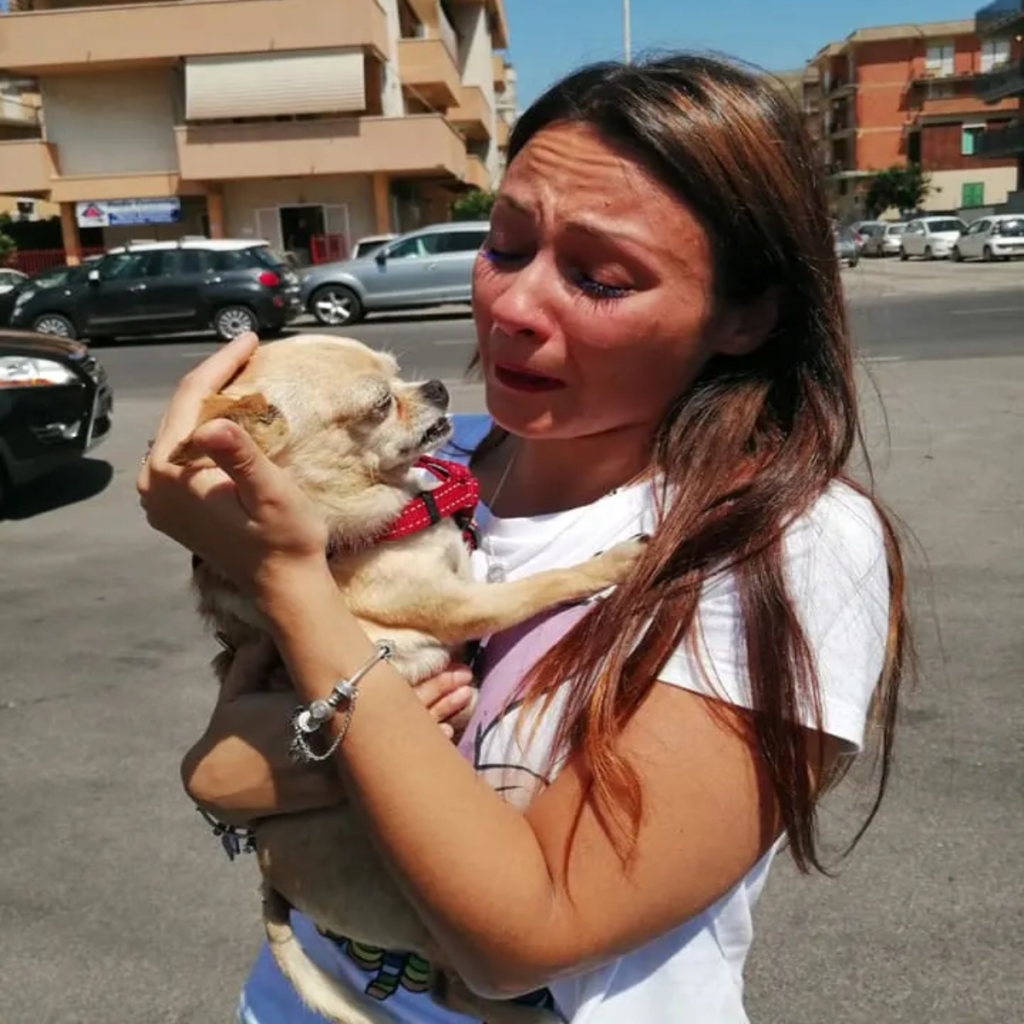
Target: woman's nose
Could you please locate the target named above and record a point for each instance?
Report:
(521, 307)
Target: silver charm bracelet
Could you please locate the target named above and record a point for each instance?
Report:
(307, 720)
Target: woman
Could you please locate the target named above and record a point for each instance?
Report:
(662, 341)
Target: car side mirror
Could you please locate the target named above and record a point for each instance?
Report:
(381, 258)
(93, 277)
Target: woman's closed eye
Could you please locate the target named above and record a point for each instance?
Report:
(584, 282)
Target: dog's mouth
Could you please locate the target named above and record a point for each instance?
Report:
(440, 430)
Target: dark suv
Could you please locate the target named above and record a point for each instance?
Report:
(163, 287)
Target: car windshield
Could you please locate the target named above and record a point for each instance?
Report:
(1013, 227)
(945, 225)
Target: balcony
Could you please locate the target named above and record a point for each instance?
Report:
(500, 74)
(428, 71)
(477, 174)
(1001, 83)
(1001, 18)
(44, 40)
(27, 167)
(423, 145)
(1007, 142)
(472, 115)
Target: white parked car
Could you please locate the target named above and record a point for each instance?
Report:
(999, 237)
(11, 279)
(370, 244)
(932, 238)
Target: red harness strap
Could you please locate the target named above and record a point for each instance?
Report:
(456, 496)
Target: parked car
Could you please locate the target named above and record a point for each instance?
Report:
(930, 237)
(229, 285)
(847, 250)
(10, 279)
(999, 237)
(428, 267)
(369, 244)
(41, 279)
(55, 406)
(865, 230)
(884, 242)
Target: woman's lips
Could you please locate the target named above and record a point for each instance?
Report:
(517, 378)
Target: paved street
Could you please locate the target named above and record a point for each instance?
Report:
(117, 906)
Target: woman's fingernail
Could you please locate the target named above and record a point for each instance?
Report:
(448, 731)
(463, 674)
(463, 693)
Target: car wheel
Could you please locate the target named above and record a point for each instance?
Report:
(986, 254)
(55, 324)
(956, 254)
(904, 255)
(853, 261)
(336, 306)
(231, 321)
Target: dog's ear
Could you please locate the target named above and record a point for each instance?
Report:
(263, 422)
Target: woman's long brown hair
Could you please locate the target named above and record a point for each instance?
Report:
(744, 450)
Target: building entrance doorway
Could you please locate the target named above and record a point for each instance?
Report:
(299, 225)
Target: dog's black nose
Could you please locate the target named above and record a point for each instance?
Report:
(435, 393)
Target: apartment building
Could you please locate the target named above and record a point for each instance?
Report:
(902, 94)
(276, 119)
(1000, 25)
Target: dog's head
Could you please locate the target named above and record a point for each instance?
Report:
(334, 413)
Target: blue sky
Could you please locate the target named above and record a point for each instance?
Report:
(550, 37)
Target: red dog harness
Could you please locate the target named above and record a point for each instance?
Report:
(456, 496)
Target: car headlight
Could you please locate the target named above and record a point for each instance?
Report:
(23, 297)
(28, 371)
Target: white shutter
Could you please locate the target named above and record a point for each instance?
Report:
(274, 84)
(268, 227)
(336, 221)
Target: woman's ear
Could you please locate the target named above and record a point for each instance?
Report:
(743, 329)
(263, 422)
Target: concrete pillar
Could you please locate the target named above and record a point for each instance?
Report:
(215, 213)
(381, 203)
(69, 235)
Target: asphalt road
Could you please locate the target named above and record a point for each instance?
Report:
(117, 906)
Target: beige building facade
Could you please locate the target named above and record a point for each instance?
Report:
(275, 119)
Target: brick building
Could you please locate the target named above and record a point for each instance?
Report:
(902, 94)
(1001, 24)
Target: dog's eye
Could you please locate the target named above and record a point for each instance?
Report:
(384, 404)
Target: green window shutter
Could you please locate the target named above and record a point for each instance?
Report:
(966, 142)
(972, 193)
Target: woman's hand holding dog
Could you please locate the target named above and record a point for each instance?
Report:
(243, 514)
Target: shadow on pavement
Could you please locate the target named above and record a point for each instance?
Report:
(68, 485)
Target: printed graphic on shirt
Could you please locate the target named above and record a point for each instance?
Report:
(494, 746)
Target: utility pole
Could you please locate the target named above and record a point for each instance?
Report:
(627, 42)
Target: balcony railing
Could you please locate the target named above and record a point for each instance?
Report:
(1001, 17)
(1001, 142)
(1001, 82)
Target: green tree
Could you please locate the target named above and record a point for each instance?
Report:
(904, 188)
(475, 205)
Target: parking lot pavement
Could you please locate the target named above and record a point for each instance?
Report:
(117, 906)
(890, 278)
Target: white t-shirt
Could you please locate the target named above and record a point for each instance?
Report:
(835, 566)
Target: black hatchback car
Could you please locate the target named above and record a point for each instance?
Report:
(231, 286)
(55, 405)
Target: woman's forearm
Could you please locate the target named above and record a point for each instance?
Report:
(428, 809)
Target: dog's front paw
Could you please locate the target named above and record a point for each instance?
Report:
(611, 567)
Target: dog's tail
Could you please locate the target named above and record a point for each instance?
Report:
(317, 989)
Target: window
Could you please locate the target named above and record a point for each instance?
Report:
(233, 259)
(969, 138)
(972, 193)
(939, 59)
(409, 247)
(462, 241)
(124, 266)
(185, 261)
(994, 52)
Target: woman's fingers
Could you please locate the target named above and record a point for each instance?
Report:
(448, 693)
(209, 377)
